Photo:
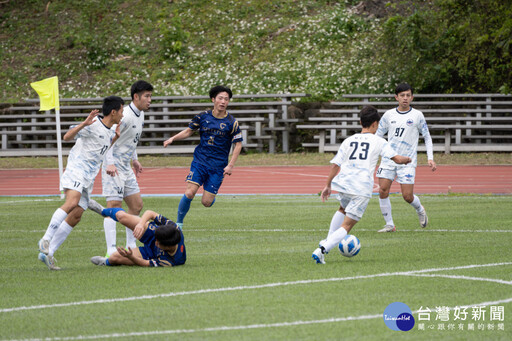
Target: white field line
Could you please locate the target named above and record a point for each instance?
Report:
(247, 287)
(241, 327)
(469, 278)
(302, 323)
(249, 230)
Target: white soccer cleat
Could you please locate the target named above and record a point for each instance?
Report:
(180, 225)
(98, 260)
(44, 246)
(318, 256)
(422, 215)
(95, 207)
(388, 228)
(48, 261)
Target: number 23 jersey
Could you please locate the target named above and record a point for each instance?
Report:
(357, 158)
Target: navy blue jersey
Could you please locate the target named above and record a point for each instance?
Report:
(217, 135)
(157, 256)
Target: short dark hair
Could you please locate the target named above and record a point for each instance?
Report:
(402, 87)
(368, 115)
(168, 234)
(140, 86)
(111, 103)
(218, 89)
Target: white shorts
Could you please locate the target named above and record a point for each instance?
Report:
(115, 188)
(404, 175)
(75, 181)
(354, 205)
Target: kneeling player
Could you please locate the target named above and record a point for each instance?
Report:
(163, 241)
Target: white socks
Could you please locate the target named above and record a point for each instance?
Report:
(57, 219)
(60, 236)
(336, 221)
(130, 239)
(109, 225)
(334, 239)
(385, 208)
(416, 204)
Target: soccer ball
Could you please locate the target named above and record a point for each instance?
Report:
(349, 246)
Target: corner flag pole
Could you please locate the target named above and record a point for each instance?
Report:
(48, 91)
(59, 151)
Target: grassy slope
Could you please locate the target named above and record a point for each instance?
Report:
(98, 48)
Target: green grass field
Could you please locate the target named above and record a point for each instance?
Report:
(250, 276)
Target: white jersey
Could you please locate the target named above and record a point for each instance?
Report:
(403, 129)
(357, 158)
(92, 142)
(130, 131)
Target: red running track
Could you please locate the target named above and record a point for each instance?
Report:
(271, 180)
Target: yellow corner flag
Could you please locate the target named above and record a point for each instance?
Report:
(48, 91)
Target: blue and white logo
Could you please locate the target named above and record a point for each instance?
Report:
(398, 316)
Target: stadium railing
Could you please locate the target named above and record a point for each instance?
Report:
(457, 122)
(263, 118)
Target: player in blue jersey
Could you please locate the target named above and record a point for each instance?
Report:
(164, 244)
(218, 130)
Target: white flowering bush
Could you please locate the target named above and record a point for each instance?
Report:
(184, 47)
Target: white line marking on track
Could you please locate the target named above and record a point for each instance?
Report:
(248, 287)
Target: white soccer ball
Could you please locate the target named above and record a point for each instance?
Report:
(349, 246)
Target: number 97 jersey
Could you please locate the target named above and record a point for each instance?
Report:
(403, 129)
(357, 158)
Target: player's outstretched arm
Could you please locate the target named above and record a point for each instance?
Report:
(432, 165)
(134, 259)
(71, 133)
(403, 160)
(236, 152)
(142, 225)
(179, 136)
(326, 192)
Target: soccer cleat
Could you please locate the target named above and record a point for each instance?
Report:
(49, 261)
(318, 256)
(98, 260)
(388, 228)
(422, 215)
(180, 225)
(44, 246)
(95, 207)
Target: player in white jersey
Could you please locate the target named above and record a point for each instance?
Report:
(94, 137)
(403, 126)
(118, 179)
(351, 176)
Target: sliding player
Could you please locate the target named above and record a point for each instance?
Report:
(164, 245)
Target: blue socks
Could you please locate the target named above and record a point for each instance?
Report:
(111, 212)
(183, 208)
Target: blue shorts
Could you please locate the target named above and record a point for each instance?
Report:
(210, 179)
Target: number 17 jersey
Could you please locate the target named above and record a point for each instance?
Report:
(357, 158)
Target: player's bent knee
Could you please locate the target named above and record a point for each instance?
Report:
(408, 198)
